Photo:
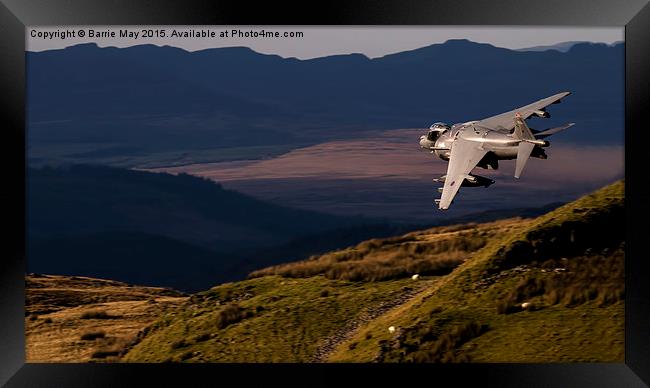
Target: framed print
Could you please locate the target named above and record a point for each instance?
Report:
(362, 192)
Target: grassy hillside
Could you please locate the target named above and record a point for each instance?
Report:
(80, 319)
(568, 266)
(548, 289)
(435, 251)
(301, 319)
(269, 319)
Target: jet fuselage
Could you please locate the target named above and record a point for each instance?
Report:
(501, 145)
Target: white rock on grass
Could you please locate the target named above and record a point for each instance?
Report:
(391, 329)
(415, 277)
(525, 305)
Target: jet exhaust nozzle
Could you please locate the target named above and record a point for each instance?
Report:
(541, 143)
(542, 113)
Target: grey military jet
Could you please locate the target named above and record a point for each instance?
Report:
(484, 142)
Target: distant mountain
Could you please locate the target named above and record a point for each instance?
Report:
(562, 47)
(147, 105)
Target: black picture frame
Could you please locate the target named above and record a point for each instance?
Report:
(16, 14)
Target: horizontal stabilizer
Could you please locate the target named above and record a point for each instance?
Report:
(549, 132)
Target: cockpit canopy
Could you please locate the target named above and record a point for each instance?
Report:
(439, 127)
(436, 129)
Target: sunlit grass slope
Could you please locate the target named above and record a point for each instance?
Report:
(549, 289)
(565, 268)
(269, 319)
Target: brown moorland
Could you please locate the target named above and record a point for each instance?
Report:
(81, 319)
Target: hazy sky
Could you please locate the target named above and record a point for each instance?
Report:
(319, 41)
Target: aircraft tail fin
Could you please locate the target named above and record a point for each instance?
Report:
(522, 132)
(523, 154)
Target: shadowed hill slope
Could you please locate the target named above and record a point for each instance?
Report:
(153, 228)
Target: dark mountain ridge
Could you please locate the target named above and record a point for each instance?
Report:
(153, 99)
(97, 199)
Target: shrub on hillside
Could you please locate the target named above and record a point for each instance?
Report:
(425, 343)
(230, 314)
(92, 335)
(113, 347)
(202, 337)
(443, 349)
(178, 344)
(105, 353)
(97, 314)
(507, 306)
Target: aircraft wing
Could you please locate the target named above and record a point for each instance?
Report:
(504, 121)
(465, 154)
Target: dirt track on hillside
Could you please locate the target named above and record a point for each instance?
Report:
(351, 328)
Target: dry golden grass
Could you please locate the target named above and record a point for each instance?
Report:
(62, 310)
(434, 251)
